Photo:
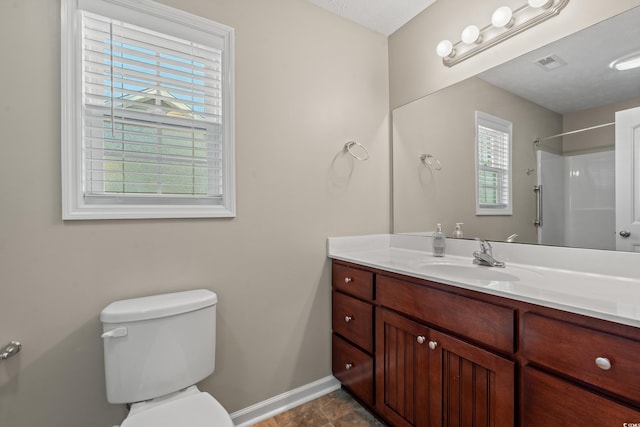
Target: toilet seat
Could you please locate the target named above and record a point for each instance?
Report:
(193, 409)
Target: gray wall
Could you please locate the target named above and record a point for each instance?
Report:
(302, 92)
(597, 139)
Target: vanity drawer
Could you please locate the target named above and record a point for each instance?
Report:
(486, 323)
(353, 281)
(353, 319)
(572, 350)
(354, 368)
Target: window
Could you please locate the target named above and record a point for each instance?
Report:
(147, 112)
(493, 165)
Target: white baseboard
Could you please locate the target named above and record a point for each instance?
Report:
(283, 402)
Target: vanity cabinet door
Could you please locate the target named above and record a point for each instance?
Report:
(550, 401)
(427, 378)
(469, 386)
(402, 380)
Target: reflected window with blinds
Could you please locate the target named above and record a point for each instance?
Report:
(153, 131)
(493, 165)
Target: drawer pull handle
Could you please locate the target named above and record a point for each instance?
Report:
(348, 319)
(348, 366)
(347, 280)
(421, 339)
(603, 363)
(433, 345)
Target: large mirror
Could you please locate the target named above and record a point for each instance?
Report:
(565, 96)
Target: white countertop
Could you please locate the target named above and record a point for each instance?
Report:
(586, 291)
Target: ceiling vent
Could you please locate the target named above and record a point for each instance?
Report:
(552, 62)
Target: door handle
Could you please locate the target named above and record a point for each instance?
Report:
(625, 233)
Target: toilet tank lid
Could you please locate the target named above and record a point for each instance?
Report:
(157, 306)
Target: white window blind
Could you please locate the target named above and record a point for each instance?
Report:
(493, 167)
(154, 126)
(152, 113)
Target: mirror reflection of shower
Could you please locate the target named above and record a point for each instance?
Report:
(578, 200)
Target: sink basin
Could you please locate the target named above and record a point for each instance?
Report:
(469, 272)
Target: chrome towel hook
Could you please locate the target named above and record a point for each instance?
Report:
(348, 148)
(10, 349)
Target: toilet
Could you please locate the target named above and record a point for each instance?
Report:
(156, 349)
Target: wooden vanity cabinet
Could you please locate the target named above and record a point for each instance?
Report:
(436, 355)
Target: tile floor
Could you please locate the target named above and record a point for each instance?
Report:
(336, 409)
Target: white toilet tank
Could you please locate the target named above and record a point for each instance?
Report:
(158, 344)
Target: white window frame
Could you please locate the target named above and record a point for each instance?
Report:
(166, 20)
(505, 204)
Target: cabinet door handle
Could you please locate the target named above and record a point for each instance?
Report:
(603, 363)
(347, 280)
(348, 319)
(433, 345)
(421, 339)
(348, 366)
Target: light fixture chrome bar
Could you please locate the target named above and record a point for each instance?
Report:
(517, 28)
(571, 132)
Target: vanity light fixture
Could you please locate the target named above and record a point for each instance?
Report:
(502, 17)
(471, 35)
(628, 62)
(542, 4)
(445, 49)
(505, 23)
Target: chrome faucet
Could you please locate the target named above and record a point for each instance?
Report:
(485, 255)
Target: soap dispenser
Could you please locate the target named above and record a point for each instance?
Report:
(457, 234)
(439, 242)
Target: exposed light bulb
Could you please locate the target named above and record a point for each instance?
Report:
(502, 17)
(544, 4)
(471, 34)
(445, 49)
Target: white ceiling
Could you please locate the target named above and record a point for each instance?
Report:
(383, 16)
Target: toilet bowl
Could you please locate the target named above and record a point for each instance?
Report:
(156, 349)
